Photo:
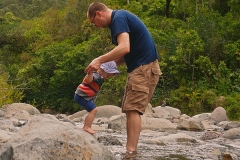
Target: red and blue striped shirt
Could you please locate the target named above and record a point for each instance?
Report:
(89, 91)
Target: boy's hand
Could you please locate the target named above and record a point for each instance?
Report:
(93, 66)
(88, 78)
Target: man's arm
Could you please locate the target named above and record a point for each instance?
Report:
(119, 61)
(116, 54)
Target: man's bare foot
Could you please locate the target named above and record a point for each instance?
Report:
(89, 130)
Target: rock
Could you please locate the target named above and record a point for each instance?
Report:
(233, 133)
(207, 126)
(117, 122)
(78, 115)
(1, 113)
(210, 135)
(6, 152)
(156, 123)
(160, 112)
(203, 116)
(100, 121)
(45, 137)
(166, 112)
(22, 115)
(64, 118)
(219, 115)
(190, 124)
(149, 110)
(5, 136)
(109, 140)
(108, 111)
(226, 125)
(8, 124)
(179, 138)
(184, 116)
(174, 112)
(227, 156)
(22, 106)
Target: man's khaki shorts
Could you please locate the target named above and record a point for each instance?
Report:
(140, 85)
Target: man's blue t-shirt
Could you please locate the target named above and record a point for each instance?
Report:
(142, 47)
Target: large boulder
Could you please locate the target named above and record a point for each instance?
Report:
(166, 112)
(219, 114)
(45, 137)
(226, 125)
(108, 111)
(191, 124)
(119, 122)
(148, 110)
(156, 123)
(19, 111)
(105, 111)
(78, 115)
(233, 133)
(21, 106)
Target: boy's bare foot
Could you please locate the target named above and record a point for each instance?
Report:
(89, 130)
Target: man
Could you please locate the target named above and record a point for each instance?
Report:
(135, 47)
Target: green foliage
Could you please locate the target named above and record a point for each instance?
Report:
(39, 72)
(8, 92)
(221, 6)
(153, 7)
(28, 9)
(67, 76)
(192, 100)
(234, 7)
(232, 106)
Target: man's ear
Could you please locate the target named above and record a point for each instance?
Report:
(98, 13)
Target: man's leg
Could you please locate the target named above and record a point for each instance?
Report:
(133, 125)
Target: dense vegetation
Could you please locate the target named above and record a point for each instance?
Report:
(45, 46)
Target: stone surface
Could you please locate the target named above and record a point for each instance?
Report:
(58, 137)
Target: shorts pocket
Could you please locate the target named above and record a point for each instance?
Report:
(140, 88)
(156, 71)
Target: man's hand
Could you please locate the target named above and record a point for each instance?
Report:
(93, 66)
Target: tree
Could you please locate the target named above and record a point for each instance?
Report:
(8, 92)
(167, 10)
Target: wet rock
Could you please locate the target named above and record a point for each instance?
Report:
(210, 135)
(109, 140)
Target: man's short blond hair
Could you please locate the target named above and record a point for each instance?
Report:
(96, 6)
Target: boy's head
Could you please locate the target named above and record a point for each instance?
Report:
(110, 69)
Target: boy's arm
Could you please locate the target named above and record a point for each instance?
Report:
(88, 78)
(117, 53)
